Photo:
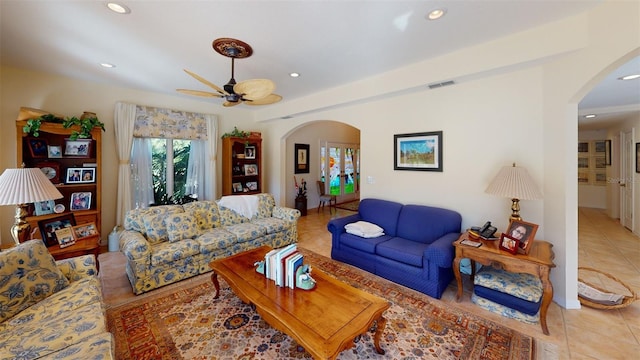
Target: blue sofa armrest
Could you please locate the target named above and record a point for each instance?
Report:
(441, 251)
(336, 226)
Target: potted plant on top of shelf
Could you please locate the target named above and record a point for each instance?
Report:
(86, 122)
(33, 125)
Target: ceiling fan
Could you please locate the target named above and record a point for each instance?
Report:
(250, 92)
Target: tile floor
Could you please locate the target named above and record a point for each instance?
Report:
(577, 334)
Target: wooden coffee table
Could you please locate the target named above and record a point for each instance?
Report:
(324, 320)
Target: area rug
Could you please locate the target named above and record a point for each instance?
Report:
(351, 205)
(189, 324)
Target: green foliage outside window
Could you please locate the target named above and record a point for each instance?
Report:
(159, 171)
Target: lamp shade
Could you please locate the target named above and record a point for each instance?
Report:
(26, 185)
(514, 182)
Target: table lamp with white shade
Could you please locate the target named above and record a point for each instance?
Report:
(21, 187)
(515, 183)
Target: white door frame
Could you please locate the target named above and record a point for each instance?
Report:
(627, 178)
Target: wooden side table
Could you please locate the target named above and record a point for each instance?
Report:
(85, 246)
(538, 262)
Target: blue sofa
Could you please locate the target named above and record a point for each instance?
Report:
(416, 249)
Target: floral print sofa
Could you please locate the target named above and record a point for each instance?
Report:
(168, 243)
(49, 309)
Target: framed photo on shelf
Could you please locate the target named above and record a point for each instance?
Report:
(237, 187)
(37, 147)
(302, 159)
(54, 151)
(507, 243)
(51, 170)
(85, 230)
(81, 175)
(65, 237)
(249, 152)
(48, 227)
(523, 231)
(80, 201)
(44, 207)
(77, 148)
(252, 185)
(418, 151)
(250, 169)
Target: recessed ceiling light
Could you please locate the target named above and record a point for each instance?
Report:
(107, 65)
(436, 14)
(294, 74)
(590, 116)
(119, 8)
(630, 77)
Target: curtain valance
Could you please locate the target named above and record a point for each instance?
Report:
(153, 122)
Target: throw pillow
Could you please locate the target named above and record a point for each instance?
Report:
(156, 228)
(28, 274)
(182, 226)
(364, 229)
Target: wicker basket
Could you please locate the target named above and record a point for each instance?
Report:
(627, 300)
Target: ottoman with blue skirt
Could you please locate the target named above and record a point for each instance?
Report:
(514, 295)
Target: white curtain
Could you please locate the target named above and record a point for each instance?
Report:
(196, 169)
(211, 153)
(141, 176)
(124, 117)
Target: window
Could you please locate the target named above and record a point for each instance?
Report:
(169, 164)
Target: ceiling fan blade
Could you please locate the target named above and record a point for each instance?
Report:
(270, 99)
(206, 82)
(199, 93)
(230, 104)
(254, 89)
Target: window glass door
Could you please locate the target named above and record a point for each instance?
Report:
(340, 164)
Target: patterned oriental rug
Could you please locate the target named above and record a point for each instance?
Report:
(187, 323)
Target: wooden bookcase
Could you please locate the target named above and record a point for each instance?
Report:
(34, 152)
(242, 165)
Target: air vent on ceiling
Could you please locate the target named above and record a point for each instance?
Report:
(441, 84)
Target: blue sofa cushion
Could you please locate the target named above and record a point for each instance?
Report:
(417, 223)
(383, 213)
(402, 250)
(510, 301)
(363, 244)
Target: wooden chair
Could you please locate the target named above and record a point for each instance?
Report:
(324, 198)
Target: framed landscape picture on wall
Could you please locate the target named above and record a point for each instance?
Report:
(418, 151)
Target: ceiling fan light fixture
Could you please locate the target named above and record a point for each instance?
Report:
(250, 92)
(232, 48)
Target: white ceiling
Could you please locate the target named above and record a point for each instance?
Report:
(329, 43)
